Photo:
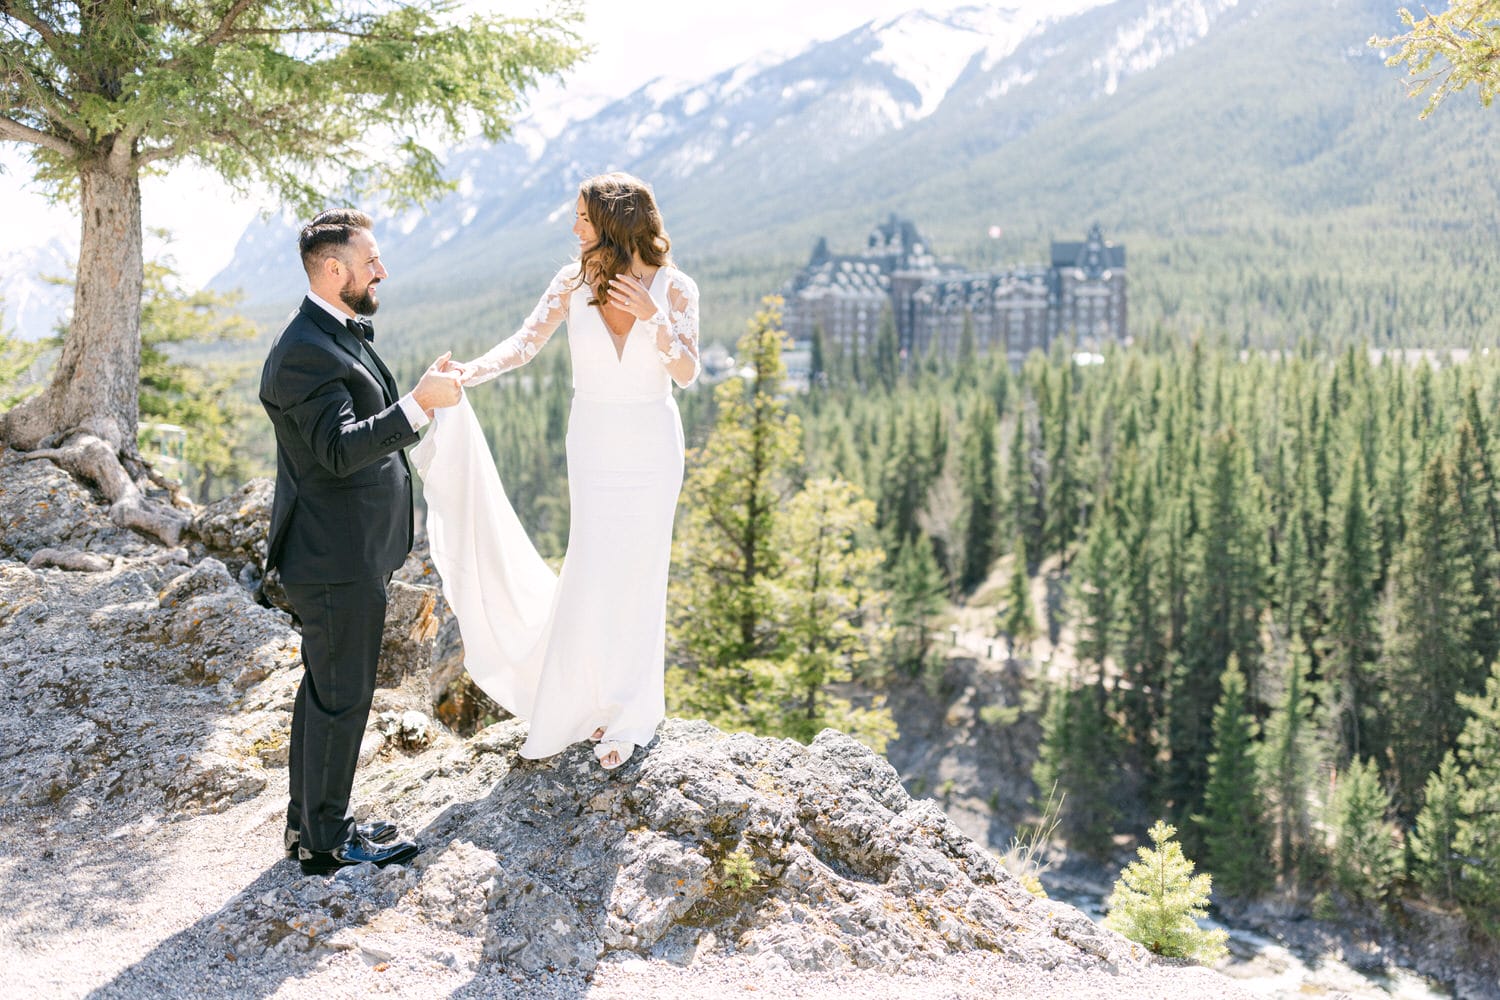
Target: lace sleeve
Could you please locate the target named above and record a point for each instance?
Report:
(521, 346)
(676, 329)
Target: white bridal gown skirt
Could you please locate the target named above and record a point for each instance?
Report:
(586, 648)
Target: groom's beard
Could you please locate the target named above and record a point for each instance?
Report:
(363, 301)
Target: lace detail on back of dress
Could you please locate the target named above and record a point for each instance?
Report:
(523, 345)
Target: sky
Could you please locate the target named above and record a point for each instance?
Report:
(634, 44)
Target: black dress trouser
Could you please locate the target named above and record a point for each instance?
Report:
(341, 628)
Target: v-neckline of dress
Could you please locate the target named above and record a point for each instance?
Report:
(619, 341)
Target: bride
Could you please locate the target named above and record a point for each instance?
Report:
(579, 655)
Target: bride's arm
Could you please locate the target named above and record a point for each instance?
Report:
(521, 346)
(675, 328)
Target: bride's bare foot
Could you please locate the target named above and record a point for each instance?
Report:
(598, 734)
(613, 753)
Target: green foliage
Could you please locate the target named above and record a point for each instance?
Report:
(286, 94)
(1225, 597)
(737, 870)
(774, 598)
(978, 481)
(826, 597)
(309, 97)
(1350, 640)
(1233, 820)
(1074, 757)
(887, 352)
(1094, 601)
(1477, 836)
(1210, 484)
(18, 359)
(1437, 865)
(199, 397)
(1157, 902)
(725, 547)
(1017, 620)
(1461, 40)
(1289, 760)
(1364, 858)
(1429, 658)
(918, 594)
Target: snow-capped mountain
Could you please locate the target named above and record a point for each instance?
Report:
(773, 131)
(30, 305)
(1150, 116)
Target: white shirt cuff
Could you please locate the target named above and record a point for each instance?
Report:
(414, 413)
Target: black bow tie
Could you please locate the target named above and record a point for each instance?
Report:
(361, 328)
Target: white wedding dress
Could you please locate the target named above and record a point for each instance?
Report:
(585, 648)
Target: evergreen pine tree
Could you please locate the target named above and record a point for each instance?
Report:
(1435, 862)
(726, 546)
(1289, 760)
(1474, 489)
(1077, 740)
(1350, 640)
(1022, 493)
(905, 477)
(1017, 620)
(1429, 657)
(1364, 858)
(887, 352)
(1296, 580)
(817, 366)
(1141, 645)
(1233, 824)
(1094, 601)
(1477, 838)
(918, 595)
(1062, 491)
(981, 507)
(1224, 605)
(825, 593)
(966, 364)
(1158, 901)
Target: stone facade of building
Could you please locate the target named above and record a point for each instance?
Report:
(1080, 295)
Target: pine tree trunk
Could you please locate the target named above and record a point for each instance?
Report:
(85, 420)
(95, 385)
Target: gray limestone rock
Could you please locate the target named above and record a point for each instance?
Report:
(234, 529)
(43, 507)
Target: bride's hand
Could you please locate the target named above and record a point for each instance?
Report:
(629, 294)
(460, 368)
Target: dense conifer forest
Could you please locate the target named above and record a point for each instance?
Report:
(1280, 568)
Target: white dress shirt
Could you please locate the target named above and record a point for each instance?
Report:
(415, 415)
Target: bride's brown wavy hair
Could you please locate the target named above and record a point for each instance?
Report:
(626, 221)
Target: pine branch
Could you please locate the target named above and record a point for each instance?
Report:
(222, 32)
(8, 8)
(14, 131)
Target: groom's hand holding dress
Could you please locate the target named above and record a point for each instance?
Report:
(341, 524)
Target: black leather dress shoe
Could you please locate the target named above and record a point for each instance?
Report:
(357, 851)
(377, 831)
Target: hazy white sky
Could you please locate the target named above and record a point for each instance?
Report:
(634, 43)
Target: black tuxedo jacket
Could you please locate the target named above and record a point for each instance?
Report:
(343, 505)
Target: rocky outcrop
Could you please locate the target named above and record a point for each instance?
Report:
(811, 857)
(148, 694)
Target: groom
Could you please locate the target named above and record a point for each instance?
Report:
(341, 523)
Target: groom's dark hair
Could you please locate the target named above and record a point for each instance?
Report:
(328, 230)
